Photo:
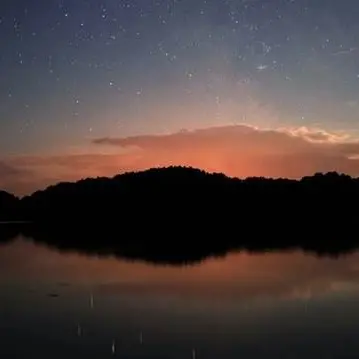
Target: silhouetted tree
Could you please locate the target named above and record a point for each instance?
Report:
(9, 207)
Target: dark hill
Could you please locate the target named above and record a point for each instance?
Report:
(178, 198)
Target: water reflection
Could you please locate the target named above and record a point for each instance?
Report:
(278, 304)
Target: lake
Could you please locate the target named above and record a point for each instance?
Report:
(244, 305)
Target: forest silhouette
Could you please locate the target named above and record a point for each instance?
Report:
(180, 214)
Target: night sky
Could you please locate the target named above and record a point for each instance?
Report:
(77, 76)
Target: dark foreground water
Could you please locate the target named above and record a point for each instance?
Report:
(277, 305)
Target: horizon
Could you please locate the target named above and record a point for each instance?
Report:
(239, 151)
(189, 168)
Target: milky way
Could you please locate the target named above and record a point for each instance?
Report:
(72, 71)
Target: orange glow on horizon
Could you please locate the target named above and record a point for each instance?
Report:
(237, 151)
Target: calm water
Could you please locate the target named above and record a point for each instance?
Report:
(277, 305)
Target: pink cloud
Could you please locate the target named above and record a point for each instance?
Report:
(246, 151)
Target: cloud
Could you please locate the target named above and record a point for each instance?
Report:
(238, 150)
(243, 150)
(7, 171)
(30, 173)
(12, 176)
(317, 135)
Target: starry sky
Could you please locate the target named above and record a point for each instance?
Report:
(80, 76)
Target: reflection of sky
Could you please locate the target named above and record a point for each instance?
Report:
(242, 275)
(241, 305)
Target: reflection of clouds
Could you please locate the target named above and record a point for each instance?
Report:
(241, 276)
(305, 294)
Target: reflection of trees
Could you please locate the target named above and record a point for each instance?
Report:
(8, 232)
(158, 247)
